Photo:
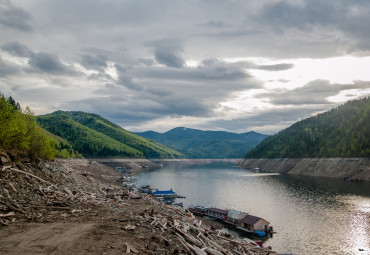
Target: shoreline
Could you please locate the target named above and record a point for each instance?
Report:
(75, 206)
(339, 168)
(140, 163)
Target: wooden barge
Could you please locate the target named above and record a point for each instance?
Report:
(239, 220)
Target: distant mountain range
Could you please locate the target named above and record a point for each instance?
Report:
(93, 136)
(341, 132)
(194, 143)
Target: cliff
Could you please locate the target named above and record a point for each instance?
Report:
(327, 167)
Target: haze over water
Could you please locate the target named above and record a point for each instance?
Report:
(311, 215)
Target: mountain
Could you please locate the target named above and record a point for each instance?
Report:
(94, 136)
(194, 143)
(341, 132)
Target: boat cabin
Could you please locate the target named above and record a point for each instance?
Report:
(217, 213)
(235, 216)
(164, 193)
(254, 223)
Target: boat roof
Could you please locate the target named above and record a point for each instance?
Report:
(164, 192)
(251, 220)
(217, 210)
(234, 214)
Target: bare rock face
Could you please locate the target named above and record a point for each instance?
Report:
(358, 168)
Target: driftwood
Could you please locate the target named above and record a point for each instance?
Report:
(214, 244)
(184, 245)
(211, 251)
(12, 207)
(23, 172)
(7, 215)
(130, 248)
(196, 250)
(189, 238)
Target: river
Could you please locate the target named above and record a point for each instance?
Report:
(311, 215)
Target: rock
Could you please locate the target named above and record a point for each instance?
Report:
(4, 161)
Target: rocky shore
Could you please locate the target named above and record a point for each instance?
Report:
(75, 206)
(356, 168)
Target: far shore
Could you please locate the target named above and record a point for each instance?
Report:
(140, 163)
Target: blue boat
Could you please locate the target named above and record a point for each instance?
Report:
(259, 233)
(164, 193)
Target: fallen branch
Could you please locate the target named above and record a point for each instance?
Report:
(211, 251)
(7, 215)
(23, 172)
(12, 207)
(130, 248)
(190, 238)
(184, 245)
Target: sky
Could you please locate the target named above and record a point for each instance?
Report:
(232, 65)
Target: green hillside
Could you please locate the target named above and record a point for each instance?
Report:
(21, 135)
(194, 143)
(342, 132)
(94, 136)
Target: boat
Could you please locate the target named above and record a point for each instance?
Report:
(259, 233)
(197, 210)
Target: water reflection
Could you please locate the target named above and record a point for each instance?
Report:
(311, 215)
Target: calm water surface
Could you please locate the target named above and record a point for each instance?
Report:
(311, 215)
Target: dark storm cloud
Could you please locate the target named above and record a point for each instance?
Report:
(277, 67)
(50, 63)
(97, 62)
(14, 17)
(315, 92)
(17, 49)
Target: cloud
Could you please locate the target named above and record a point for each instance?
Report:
(313, 93)
(277, 67)
(17, 49)
(268, 121)
(170, 59)
(168, 52)
(14, 17)
(332, 18)
(6, 69)
(50, 63)
(97, 62)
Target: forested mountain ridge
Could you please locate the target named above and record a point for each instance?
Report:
(341, 132)
(194, 143)
(94, 136)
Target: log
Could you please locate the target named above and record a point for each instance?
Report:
(184, 245)
(190, 238)
(196, 250)
(7, 215)
(214, 244)
(23, 172)
(12, 207)
(211, 251)
(130, 248)
(68, 191)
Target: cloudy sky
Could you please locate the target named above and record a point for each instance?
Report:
(231, 65)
